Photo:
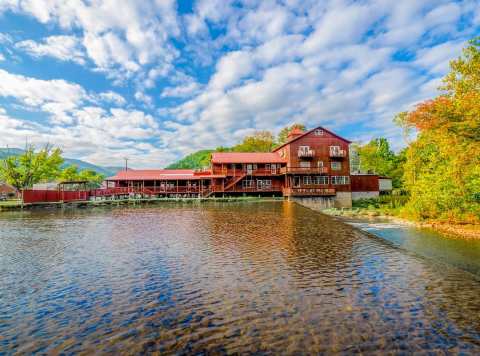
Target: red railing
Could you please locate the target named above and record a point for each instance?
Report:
(308, 191)
(50, 196)
(304, 170)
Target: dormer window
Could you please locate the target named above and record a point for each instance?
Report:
(318, 132)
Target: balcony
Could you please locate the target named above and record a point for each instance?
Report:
(337, 153)
(305, 152)
(304, 170)
(302, 192)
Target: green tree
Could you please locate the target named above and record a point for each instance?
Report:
(442, 169)
(195, 160)
(93, 178)
(260, 141)
(283, 134)
(72, 174)
(69, 173)
(31, 167)
(377, 157)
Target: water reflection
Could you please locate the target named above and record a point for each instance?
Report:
(236, 277)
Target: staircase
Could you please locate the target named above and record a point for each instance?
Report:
(234, 181)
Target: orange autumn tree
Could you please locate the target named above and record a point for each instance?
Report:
(442, 171)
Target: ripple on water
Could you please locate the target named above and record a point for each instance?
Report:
(222, 278)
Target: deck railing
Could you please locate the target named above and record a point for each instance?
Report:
(253, 172)
(308, 191)
(306, 153)
(336, 153)
(304, 170)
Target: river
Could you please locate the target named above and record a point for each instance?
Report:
(228, 278)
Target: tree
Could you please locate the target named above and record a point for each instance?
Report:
(442, 169)
(377, 157)
(30, 167)
(195, 160)
(260, 141)
(283, 134)
(69, 173)
(72, 174)
(92, 177)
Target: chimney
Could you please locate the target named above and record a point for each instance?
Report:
(294, 133)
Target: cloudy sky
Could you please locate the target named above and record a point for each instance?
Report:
(156, 79)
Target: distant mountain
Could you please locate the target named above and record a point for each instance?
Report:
(106, 171)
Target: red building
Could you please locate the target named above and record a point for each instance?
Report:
(314, 163)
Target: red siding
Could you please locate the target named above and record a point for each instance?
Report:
(364, 183)
(48, 196)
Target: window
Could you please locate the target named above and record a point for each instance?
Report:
(320, 164)
(318, 132)
(336, 166)
(305, 164)
(339, 180)
(307, 180)
(264, 183)
(320, 180)
(334, 149)
(247, 183)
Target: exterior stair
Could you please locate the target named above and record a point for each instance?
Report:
(234, 181)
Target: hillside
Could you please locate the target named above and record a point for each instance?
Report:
(106, 171)
(195, 160)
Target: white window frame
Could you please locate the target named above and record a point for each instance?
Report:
(307, 180)
(336, 166)
(248, 183)
(318, 132)
(340, 180)
(335, 149)
(264, 183)
(320, 180)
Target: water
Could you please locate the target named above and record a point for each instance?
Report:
(223, 278)
(461, 253)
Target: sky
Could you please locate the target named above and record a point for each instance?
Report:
(153, 80)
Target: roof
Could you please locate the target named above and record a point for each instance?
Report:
(6, 188)
(246, 157)
(309, 131)
(160, 174)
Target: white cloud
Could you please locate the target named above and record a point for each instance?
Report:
(231, 68)
(144, 98)
(119, 37)
(64, 48)
(113, 97)
(250, 64)
(37, 92)
(436, 59)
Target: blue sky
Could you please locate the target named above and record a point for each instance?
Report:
(153, 80)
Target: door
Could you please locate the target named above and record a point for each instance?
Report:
(296, 181)
(274, 169)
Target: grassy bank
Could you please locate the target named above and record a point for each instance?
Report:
(391, 207)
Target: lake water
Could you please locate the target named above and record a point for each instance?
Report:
(224, 278)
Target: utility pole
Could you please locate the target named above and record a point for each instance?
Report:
(126, 163)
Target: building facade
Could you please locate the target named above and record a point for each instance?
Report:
(311, 165)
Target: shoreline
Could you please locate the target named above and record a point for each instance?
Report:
(122, 202)
(463, 231)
